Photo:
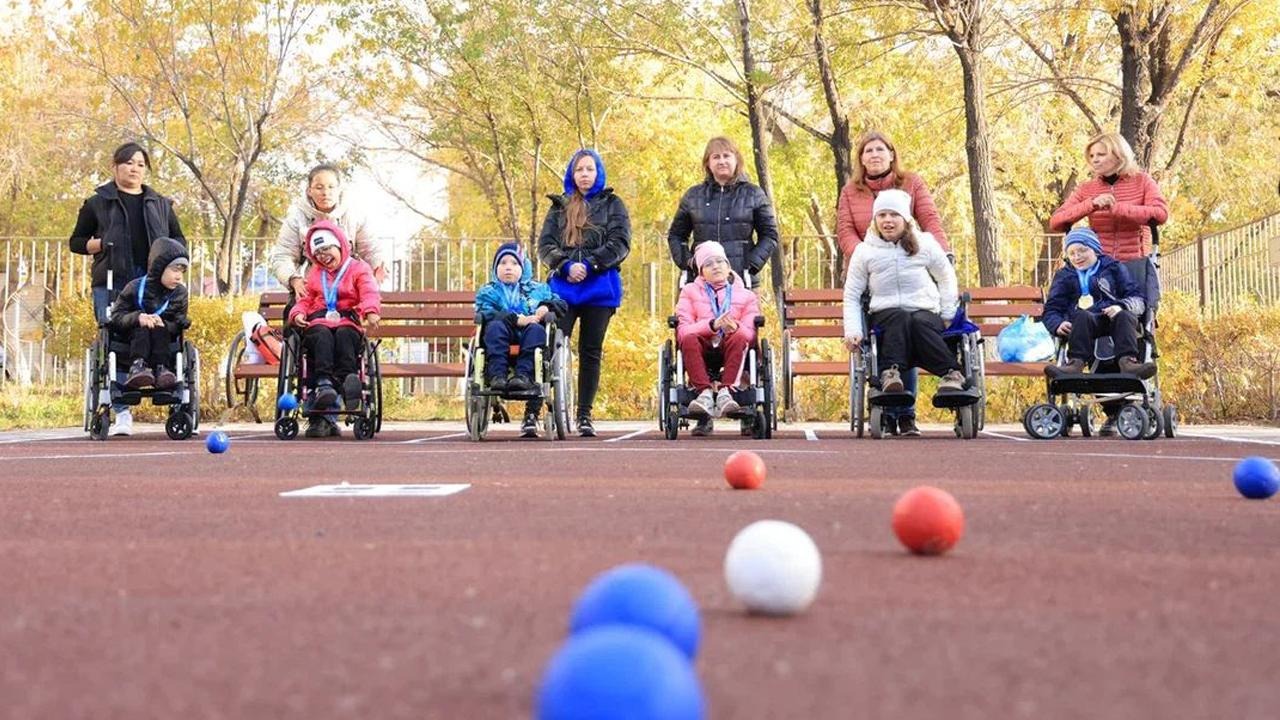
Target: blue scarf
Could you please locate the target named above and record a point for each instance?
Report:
(1085, 276)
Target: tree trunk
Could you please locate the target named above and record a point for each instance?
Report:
(1136, 124)
(532, 251)
(981, 190)
(759, 146)
(840, 142)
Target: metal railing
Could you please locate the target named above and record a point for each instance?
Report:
(1227, 267)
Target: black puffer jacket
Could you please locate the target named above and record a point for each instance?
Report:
(126, 309)
(606, 239)
(727, 214)
(103, 216)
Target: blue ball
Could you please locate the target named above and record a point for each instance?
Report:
(643, 596)
(1257, 478)
(619, 672)
(217, 443)
(287, 402)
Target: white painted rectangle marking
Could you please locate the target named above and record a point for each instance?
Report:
(811, 436)
(345, 490)
(628, 436)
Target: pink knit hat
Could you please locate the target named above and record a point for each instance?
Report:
(707, 250)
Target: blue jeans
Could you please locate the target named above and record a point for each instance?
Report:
(909, 384)
(101, 306)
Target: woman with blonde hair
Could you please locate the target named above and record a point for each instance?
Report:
(585, 238)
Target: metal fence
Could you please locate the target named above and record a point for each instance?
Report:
(1225, 268)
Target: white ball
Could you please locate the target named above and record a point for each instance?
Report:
(773, 567)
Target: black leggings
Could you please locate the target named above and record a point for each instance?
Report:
(150, 345)
(595, 323)
(334, 352)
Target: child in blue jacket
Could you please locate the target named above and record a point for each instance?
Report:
(1092, 296)
(513, 307)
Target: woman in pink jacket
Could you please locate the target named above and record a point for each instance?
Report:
(716, 315)
(341, 296)
(1120, 200)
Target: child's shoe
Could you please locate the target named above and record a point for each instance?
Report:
(520, 384)
(352, 391)
(529, 428)
(497, 383)
(1073, 366)
(953, 381)
(326, 396)
(891, 380)
(1131, 366)
(165, 378)
(140, 375)
(725, 404)
(703, 405)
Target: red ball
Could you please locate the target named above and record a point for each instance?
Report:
(928, 520)
(744, 470)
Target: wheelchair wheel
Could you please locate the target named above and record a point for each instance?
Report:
(1084, 418)
(767, 411)
(672, 427)
(286, 428)
(100, 423)
(875, 422)
(1154, 426)
(1043, 421)
(858, 400)
(665, 370)
(179, 425)
(374, 371)
(362, 429)
(1131, 422)
(1169, 414)
(192, 359)
(90, 387)
(559, 405)
(1068, 418)
(967, 422)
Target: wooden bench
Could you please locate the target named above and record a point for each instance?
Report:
(418, 315)
(820, 314)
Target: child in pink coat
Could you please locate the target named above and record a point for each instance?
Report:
(716, 315)
(341, 296)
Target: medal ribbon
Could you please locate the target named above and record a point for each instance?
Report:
(142, 288)
(331, 293)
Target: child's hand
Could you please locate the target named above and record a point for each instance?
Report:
(1111, 311)
(728, 325)
(149, 321)
(523, 320)
(1064, 329)
(300, 320)
(853, 342)
(541, 314)
(372, 319)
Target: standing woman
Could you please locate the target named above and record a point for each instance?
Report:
(877, 170)
(127, 216)
(727, 208)
(322, 200)
(585, 238)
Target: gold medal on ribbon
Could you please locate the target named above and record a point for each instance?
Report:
(1086, 302)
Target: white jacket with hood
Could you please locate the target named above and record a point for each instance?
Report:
(288, 261)
(924, 281)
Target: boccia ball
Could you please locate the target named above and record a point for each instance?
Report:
(287, 402)
(744, 470)
(217, 443)
(643, 596)
(773, 567)
(928, 520)
(619, 671)
(1256, 478)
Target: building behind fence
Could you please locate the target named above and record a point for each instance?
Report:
(1219, 269)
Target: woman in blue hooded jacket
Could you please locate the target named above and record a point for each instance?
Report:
(585, 238)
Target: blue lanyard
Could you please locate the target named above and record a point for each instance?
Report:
(331, 293)
(716, 308)
(1085, 275)
(142, 288)
(511, 297)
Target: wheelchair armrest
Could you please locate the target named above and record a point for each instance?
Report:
(671, 321)
(759, 321)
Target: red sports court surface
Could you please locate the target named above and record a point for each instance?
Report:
(1097, 578)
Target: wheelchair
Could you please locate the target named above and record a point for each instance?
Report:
(365, 421)
(758, 411)
(1070, 398)
(104, 387)
(551, 371)
(867, 402)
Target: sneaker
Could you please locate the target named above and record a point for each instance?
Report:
(140, 375)
(326, 396)
(953, 381)
(891, 380)
(585, 428)
(704, 427)
(352, 392)
(703, 405)
(334, 430)
(1073, 366)
(123, 424)
(907, 427)
(1108, 428)
(1131, 366)
(497, 383)
(521, 384)
(317, 427)
(725, 404)
(165, 378)
(529, 428)
(889, 424)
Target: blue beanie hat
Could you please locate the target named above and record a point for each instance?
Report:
(1083, 236)
(512, 249)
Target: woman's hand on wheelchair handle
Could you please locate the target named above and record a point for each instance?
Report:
(299, 287)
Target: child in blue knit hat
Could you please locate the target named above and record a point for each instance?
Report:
(1092, 296)
(513, 307)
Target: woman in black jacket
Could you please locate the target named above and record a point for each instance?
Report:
(117, 225)
(727, 208)
(585, 238)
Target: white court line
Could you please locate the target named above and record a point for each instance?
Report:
(1206, 458)
(811, 436)
(1006, 437)
(247, 437)
(631, 448)
(629, 435)
(94, 455)
(416, 441)
(1226, 438)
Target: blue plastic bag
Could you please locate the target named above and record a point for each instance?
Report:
(1025, 340)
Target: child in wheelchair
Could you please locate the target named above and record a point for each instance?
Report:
(716, 316)
(913, 291)
(341, 298)
(1091, 297)
(150, 313)
(513, 309)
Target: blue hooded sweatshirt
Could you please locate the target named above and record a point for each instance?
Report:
(498, 299)
(570, 187)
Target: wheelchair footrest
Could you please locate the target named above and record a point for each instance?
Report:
(128, 397)
(1095, 383)
(955, 399)
(895, 399)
